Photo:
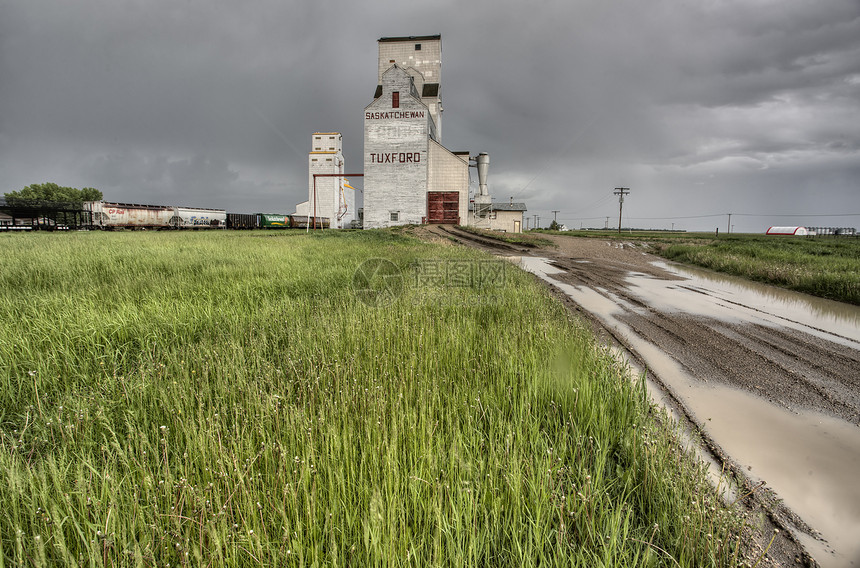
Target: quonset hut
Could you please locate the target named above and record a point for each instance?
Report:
(788, 231)
(409, 177)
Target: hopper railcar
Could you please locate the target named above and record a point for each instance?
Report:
(108, 216)
(242, 221)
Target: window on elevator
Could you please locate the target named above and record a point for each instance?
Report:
(395, 99)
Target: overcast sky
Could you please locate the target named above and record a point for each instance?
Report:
(700, 107)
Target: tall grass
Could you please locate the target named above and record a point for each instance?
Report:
(223, 399)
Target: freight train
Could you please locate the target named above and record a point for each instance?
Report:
(108, 215)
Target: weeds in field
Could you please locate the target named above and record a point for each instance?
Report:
(224, 399)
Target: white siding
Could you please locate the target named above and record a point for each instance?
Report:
(427, 60)
(448, 172)
(504, 221)
(395, 155)
(498, 221)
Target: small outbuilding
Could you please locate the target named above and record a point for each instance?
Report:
(789, 231)
(506, 217)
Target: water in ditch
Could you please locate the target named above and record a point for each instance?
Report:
(812, 461)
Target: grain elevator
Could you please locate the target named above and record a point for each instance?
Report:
(409, 176)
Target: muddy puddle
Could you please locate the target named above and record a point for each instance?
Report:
(811, 460)
(727, 297)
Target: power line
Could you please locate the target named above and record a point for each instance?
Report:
(741, 215)
(564, 150)
(684, 217)
(595, 203)
(798, 215)
(582, 218)
(572, 216)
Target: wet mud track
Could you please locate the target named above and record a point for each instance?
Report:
(770, 379)
(459, 236)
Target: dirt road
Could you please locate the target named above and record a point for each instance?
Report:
(788, 365)
(769, 378)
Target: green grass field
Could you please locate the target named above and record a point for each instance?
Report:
(828, 267)
(212, 399)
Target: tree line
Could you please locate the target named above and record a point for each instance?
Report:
(51, 192)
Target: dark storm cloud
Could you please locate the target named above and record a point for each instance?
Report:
(700, 107)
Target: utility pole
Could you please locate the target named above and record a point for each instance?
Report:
(537, 226)
(729, 226)
(535, 221)
(606, 224)
(554, 212)
(620, 192)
